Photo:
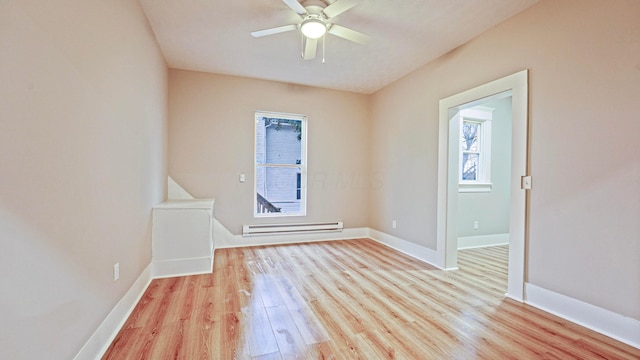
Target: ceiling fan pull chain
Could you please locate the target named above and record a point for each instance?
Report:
(324, 38)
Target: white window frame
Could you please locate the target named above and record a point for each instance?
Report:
(483, 116)
(302, 166)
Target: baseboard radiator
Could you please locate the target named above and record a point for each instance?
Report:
(283, 229)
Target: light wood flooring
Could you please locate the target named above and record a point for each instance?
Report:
(352, 299)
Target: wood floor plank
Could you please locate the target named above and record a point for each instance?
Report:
(343, 338)
(354, 299)
(227, 340)
(257, 328)
(290, 342)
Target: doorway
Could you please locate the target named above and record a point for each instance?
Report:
(515, 86)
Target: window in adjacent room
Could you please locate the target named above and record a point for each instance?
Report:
(280, 164)
(475, 149)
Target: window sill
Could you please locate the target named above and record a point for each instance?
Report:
(475, 187)
(278, 214)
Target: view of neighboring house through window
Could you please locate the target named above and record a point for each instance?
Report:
(280, 164)
(475, 149)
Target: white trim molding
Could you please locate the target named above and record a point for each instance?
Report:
(261, 163)
(470, 242)
(474, 187)
(182, 267)
(516, 86)
(102, 338)
(482, 116)
(407, 247)
(603, 321)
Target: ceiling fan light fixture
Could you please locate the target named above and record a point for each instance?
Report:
(313, 28)
(317, 20)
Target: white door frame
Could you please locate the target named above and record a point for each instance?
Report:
(447, 241)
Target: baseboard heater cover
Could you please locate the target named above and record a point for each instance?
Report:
(282, 229)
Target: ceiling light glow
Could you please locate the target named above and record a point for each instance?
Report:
(313, 28)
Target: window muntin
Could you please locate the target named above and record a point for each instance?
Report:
(280, 165)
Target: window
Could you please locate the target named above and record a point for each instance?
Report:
(280, 165)
(475, 149)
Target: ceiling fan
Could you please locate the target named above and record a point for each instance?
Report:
(316, 21)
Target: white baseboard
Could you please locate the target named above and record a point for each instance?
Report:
(223, 238)
(406, 247)
(470, 242)
(614, 325)
(101, 339)
(182, 267)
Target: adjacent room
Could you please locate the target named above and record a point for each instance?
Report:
(283, 179)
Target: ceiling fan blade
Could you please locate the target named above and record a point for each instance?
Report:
(310, 48)
(349, 34)
(275, 30)
(339, 7)
(296, 6)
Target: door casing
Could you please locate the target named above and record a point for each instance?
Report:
(447, 242)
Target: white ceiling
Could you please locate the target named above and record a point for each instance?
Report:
(214, 36)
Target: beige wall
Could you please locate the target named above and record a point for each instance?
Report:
(82, 159)
(584, 126)
(211, 135)
(83, 153)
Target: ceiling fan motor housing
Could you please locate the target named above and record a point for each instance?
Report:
(314, 3)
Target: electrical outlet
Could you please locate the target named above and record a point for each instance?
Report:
(476, 225)
(116, 271)
(394, 224)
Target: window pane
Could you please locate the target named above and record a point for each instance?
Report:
(278, 141)
(278, 189)
(470, 166)
(470, 136)
(280, 168)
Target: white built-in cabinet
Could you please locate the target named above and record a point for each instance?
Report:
(182, 237)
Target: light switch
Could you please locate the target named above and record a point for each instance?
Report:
(526, 182)
(242, 178)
